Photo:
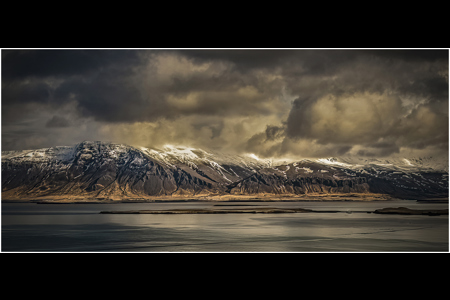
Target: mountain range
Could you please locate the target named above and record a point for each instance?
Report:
(108, 171)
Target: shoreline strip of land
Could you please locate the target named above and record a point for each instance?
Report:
(269, 210)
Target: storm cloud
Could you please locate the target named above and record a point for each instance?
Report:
(273, 103)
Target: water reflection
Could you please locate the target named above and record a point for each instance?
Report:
(76, 227)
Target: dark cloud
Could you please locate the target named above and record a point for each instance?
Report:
(129, 86)
(280, 102)
(412, 55)
(95, 79)
(105, 99)
(274, 132)
(299, 121)
(57, 122)
(19, 92)
(19, 64)
(215, 126)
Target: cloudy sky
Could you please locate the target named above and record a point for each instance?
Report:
(273, 103)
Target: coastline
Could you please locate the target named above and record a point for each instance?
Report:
(259, 198)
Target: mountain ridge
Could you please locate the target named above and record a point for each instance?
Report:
(99, 170)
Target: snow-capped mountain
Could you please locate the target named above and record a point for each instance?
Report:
(219, 167)
(333, 176)
(114, 171)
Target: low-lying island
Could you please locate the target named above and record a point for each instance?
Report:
(408, 211)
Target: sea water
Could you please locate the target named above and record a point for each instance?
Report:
(31, 227)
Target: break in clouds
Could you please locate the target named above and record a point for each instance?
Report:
(273, 103)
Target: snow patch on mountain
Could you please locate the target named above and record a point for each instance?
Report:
(334, 161)
(410, 164)
(61, 153)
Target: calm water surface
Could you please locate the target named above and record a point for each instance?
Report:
(29, 227)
